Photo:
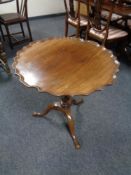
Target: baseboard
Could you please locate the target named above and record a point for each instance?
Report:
(46, 16)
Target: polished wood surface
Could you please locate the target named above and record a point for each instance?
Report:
(65, 66)
(118, 9)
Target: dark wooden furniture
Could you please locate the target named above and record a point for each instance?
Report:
(65, 67)
(73, 16)
(3, 60)
(19, 17)
(101, 31)
(118, 9)
(125, 21)
(5, 1)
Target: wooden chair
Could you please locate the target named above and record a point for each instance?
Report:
(115, 18)
(19, 17)
(3, 60)
(74, 17)
(124, 23)
(101, 30)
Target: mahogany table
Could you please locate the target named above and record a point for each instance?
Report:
(65, 67)
(118, 9)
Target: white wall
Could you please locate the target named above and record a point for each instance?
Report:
(37, 7)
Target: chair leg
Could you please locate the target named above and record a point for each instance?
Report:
(66, 28)
(78, 32)
(9, 36)
(121, 48)
(29, 30)
(21, 25)
(2, 33)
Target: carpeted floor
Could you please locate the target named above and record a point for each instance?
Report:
(38, 146)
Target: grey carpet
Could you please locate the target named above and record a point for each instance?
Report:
(38, 146)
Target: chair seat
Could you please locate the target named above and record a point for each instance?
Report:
(113, 33)
(83, 21)
(122, 23)
(114, 17)
(11, 18)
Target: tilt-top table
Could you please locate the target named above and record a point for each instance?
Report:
(65, 67)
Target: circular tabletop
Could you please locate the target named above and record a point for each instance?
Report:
(65, 66)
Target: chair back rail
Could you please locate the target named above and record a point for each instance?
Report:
(70, 7)
(74, 17)
(95, 22)
(22, 7)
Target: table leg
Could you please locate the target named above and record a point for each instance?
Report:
(75, 102)
(64, 106)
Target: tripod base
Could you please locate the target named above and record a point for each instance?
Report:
(64, 106)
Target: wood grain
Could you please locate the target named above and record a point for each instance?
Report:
(65, 66)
